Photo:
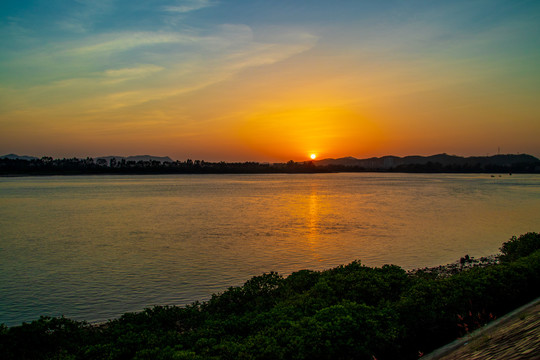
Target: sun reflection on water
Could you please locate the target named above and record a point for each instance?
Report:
(313, 220)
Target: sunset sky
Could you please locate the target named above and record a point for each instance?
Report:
(252, 80)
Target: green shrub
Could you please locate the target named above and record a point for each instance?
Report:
(523, 246)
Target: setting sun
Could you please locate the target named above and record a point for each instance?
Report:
(313, 156)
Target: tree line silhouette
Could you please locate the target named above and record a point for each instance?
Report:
(79, 166)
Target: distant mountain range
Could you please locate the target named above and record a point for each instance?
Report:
(107, 158)
(18, 157)
(137, 158)
(389, 162)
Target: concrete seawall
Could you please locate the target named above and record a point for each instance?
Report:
(513, 336)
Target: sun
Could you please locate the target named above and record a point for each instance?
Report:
(313, 156)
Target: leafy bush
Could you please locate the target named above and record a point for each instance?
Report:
(525, 245)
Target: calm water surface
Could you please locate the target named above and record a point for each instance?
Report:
(94, 247)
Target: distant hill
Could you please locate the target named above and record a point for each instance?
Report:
(390, 162)
(18, 157)
(127, 158)
(138, 158)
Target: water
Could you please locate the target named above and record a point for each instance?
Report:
(94, 247)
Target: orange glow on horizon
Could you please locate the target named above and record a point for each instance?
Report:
(285, 133)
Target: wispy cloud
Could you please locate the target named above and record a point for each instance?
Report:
(133, 71)
(128, 40)
(84, 14)
(278, 45)
(188, 5)
(191, 62)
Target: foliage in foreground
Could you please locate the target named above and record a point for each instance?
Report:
(349, 312)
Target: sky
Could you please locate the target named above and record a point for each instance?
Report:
(252, 80)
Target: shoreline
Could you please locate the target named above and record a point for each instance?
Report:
(492, 174)
(465, 263)
(441, 271)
